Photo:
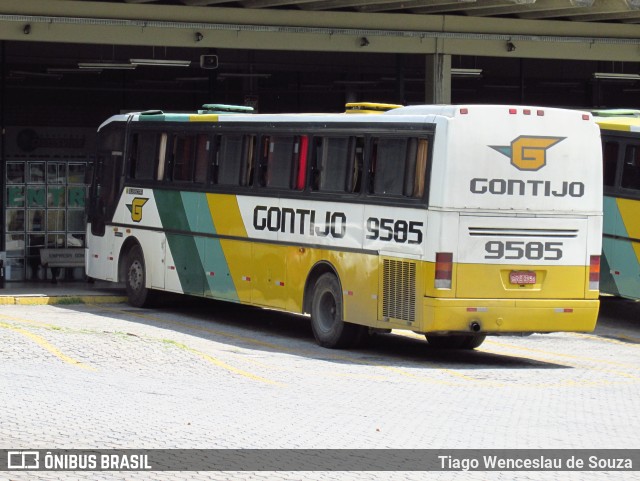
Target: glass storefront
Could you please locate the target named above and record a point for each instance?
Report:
(44, 191)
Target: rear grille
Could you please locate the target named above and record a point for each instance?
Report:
(399, 290)
(511, 232)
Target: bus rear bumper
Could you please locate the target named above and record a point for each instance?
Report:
(510, 315)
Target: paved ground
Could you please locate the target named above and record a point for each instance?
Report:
(195, 374)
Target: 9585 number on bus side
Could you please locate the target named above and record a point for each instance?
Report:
(533, 250)
(400, 231)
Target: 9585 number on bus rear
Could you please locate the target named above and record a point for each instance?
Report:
(530, 250)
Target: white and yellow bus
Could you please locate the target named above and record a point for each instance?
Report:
(451, 221)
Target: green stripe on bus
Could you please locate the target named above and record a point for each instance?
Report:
(188, 264)
(196, 210)
(171, 210)
(199, 261)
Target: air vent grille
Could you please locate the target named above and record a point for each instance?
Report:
(399, 290)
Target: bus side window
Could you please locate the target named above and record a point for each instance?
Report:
(183, 157)
(398, 166)
(610, 162)
(203, 146)
(279, 161)
(229, 159)
(388, 170)
(248, 148)
(301, 176)
(142, 155)
(337, 164)
(631, 170)
(421, 168)
(358, 161)
(410, 167)
(215, 159)
(234, 159)
(162, 156)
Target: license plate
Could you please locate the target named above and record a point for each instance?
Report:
(522, 277)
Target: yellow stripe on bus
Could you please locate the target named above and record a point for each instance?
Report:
(226, 216)
(630, 213)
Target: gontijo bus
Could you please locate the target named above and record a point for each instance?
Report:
(620, 132)
(451, 221)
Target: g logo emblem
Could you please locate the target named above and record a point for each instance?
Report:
(528, 153)
(136, 208)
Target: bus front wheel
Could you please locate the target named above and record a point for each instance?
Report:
(326, 315)
(137, 292)
(456, 341)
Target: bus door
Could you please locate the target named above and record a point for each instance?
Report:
(107, 179)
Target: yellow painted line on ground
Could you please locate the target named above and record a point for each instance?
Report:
(539, 358)
(574, 358)
(281, 348)
(626, 340)
(47, 346)
(30, 322)
(216, 332)
(223, 364)
(201, 354)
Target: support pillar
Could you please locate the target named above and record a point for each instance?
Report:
(438, 79)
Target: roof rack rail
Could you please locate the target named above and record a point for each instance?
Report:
(369, 107)
(225, 109)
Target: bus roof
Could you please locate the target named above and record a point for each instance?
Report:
(414, 113)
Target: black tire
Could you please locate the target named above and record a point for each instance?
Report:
(456, 341)
(473, 341)
(136, 278)
(326, 315)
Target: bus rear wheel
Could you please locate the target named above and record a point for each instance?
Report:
(326, 315)
(135, 280)
(456, 341)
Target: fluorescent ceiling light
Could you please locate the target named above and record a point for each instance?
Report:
(20, 74)
(466, 72)
(355, 82)
(243, 75)
(106, 65)
(56, 70)
(160, 63)
(404, 79)
(192, 79)
(616, 76)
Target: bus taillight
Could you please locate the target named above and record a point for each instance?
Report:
(444, 270)
(594, 273)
